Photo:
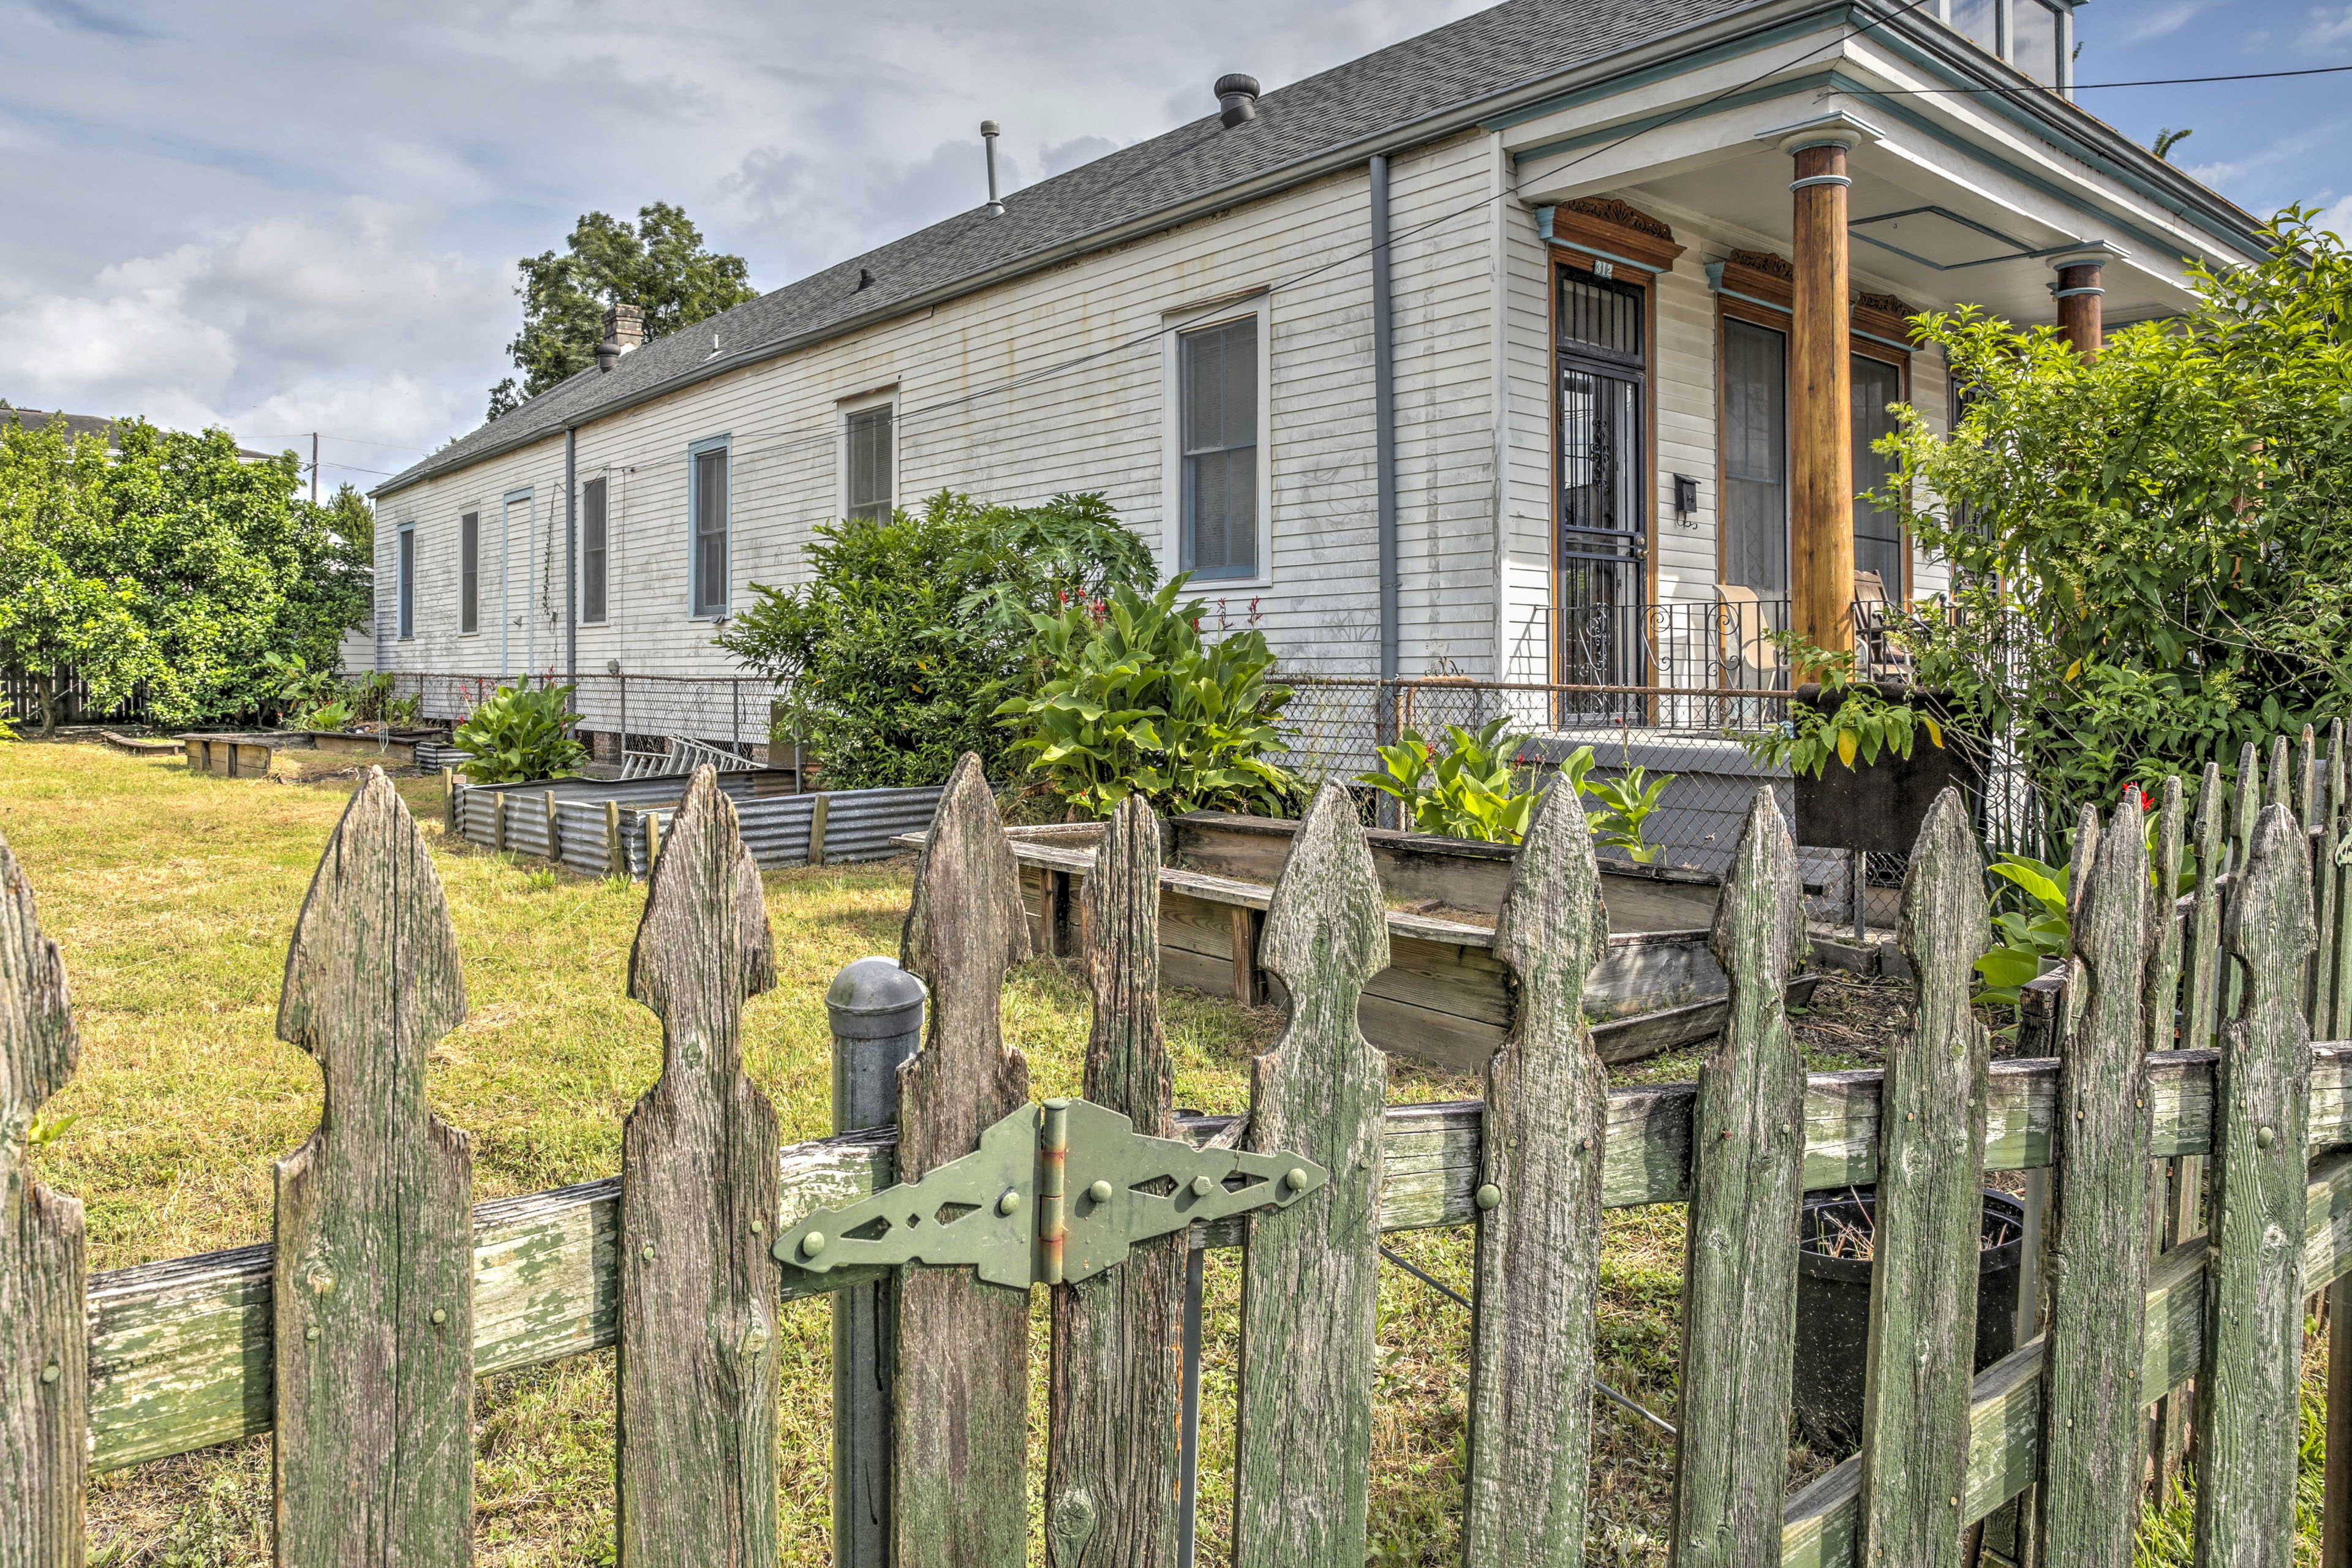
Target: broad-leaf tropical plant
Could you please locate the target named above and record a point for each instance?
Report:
(521, 732)
(1133, 701)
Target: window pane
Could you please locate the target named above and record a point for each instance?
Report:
(469, 572)
(1600, 313)
(1755, 459)
(711, 533)
(1877, 534)
(869, 463)
(2033, 42)
(1974, 20)
(593, 532)
(407, 611)
(1218, 370)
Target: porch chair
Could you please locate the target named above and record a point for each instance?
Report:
(1875, 650)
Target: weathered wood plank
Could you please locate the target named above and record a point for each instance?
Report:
(1923, 1292)
(2248, 1389)
(374, 1285)
(44, 1371)
(2161, 1016)
(2096, 1256)
(1739, 1295)
(1819, 1527)
(1310, 1286)
(180, 1349)
(962, 1411)
(1114, 1438)
(2245, 804)
(2202, 960)
(2336, 872)
(698, 1364)
(1539, 1249)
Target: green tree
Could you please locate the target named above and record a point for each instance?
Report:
(657, 264)
(333, 588)
(2153, 549)
(62, 610)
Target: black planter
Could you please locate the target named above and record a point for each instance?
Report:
(1879, 806)
(1833, 1313)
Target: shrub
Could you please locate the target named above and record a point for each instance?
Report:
(1478, 789)
(1133, 701)
(520, 732)
(911, 628)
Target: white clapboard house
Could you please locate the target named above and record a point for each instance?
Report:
(1517, 351)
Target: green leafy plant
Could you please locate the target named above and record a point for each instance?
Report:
(406, 713)
(48, 1126)
(1474, 789)
(1478, 789)
(520, 732)
(912, 627)
(1133, 701)
(2029, 939)
(335, 715)
(1862, 724)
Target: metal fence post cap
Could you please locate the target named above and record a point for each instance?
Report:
(874, 999)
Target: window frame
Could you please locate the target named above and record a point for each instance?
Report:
(697, 610)
(403, 593)
(602, 553)
(469, 573)
(1181, 324)
(847, 410)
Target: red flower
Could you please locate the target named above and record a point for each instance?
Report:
(2134, 795)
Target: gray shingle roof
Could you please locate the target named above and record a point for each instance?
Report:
(1459, 63)
(78, 425)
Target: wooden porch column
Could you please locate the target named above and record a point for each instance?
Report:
(1820, 386)
(2082, 281)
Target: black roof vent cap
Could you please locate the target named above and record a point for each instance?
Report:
(1236, 99)
(864, 280)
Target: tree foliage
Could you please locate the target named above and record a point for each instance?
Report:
(171, 564)
(910, 629)
(2152, 549)
(658, 264)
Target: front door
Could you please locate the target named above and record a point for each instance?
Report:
(1602, 566)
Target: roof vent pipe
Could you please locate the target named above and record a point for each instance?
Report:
(988, 134)
(1236, 99)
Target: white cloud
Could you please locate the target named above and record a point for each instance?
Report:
(2161, 21)
(2337, 218)
(2330, 29)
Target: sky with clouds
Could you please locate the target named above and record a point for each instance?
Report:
(289, 218)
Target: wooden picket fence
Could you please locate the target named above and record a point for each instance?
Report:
(356, 1336)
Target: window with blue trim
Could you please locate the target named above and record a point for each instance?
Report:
(407, 592)
(706, 506)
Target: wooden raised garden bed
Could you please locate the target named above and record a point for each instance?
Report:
(1442, 999)
(247, 755)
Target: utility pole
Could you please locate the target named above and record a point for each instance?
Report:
(314, 467)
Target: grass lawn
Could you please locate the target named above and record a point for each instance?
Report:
(172, 897)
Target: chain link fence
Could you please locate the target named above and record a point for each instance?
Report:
(730, 711)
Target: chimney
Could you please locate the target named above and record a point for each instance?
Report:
(1236, 99)
(624, 325)
(987, 133)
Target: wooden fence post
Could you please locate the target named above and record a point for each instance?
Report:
(698, 1357)
(1310, 1284)
(2094, 1431)
(44, 1343)
(1538, 1257)
(1739, 1292)
(2249, 1382)
(2333, 1016)
(958, 1496)
(1930, 1215)
(2172, 1206)
(616, 849)
(373, 1278)
(1115, 1432)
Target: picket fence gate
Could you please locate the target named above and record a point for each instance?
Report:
(357, 1335)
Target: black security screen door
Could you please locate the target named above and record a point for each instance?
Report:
(1602, 568)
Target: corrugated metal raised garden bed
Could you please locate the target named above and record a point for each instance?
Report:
(1442, 1000)
(602, 826)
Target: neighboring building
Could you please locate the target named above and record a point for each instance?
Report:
(1642, 309)
(78, 425)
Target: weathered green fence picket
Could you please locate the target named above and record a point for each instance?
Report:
(1115, 1439)
(699, 1360)
(2332, 885)
(1930, 1214)
(2202, 960)
(1748, 1149)
(373, 1286)
(960, 1410)
(2249, 1383)
(2096, 1254)
(1539, 1251)
(45, 1397)
(1310, 1286)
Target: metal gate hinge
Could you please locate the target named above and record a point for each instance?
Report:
(1055, 1193)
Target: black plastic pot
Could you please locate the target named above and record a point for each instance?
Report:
(1879, 806)
(1833, 1311)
